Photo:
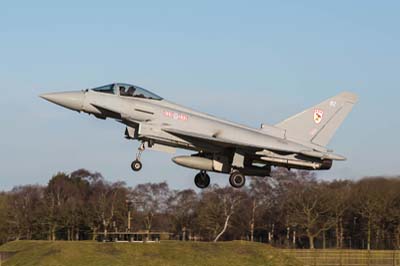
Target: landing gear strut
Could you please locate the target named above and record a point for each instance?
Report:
(237, 179)
(202, 180)
(136, 164)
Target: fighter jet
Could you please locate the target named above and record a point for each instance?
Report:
(218, 145)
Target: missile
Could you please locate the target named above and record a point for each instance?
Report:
(194, 162)
(301, 164)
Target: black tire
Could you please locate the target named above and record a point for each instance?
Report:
(202, 180)
(136, 166)
(237, 179)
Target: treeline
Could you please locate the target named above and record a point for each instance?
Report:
(289, 209)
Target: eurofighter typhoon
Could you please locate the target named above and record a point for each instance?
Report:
(221, 146)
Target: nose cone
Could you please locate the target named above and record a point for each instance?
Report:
(72, 100)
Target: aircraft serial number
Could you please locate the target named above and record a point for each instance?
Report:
(176, 116)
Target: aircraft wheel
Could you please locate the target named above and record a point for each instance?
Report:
(202, 180)
(136, 165)
(237, 179)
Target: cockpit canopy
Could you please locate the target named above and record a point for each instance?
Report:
(127, 90)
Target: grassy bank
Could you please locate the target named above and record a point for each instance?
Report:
(165, 253)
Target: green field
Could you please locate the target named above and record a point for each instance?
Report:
(61, 253)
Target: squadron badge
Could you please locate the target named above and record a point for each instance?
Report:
(318, 115)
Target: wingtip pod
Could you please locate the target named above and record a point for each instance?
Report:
(349, 96)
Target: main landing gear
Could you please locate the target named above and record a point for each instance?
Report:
(202, 180)
(136, 164)
(237, 179)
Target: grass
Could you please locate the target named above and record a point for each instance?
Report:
(87, 253)
(347, 257)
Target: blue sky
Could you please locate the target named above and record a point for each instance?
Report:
(251, 61)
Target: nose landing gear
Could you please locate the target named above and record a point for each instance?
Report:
(136, 164)
(202, 180)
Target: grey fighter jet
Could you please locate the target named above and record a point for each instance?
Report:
(298, 142)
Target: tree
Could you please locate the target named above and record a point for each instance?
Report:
(290, 204)
(393, 211)
(152, 200)
(24, 210)
(181, 209)
(373, 199)
(285, 181)
(55, 197)
(261, 194)
(107, 203)
(66, 197)
(340, 192)
(309, 208)
(216, 208)
(3, 218)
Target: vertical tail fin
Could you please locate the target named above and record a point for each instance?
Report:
(319, 123)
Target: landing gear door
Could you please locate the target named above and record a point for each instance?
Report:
(132, 132)
(221, 163)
